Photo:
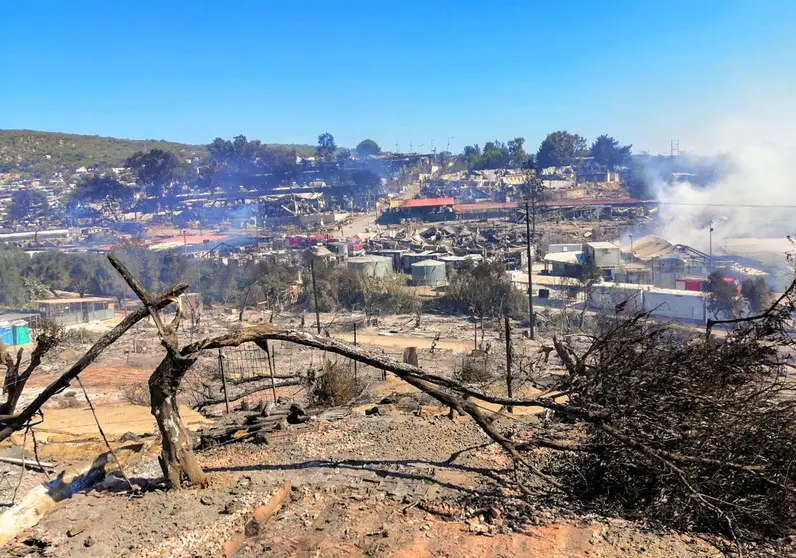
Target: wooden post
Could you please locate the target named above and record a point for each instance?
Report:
(355, 344)
(315, 294)
(223, 380)
(270, 369)
(530, 259)
(508, 361)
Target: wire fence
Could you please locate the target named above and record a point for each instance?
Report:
(245, 362)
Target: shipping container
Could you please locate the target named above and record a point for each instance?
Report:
(670, 303)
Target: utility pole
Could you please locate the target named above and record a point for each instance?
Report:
(530, 261)
(315, 294)
(710, 262)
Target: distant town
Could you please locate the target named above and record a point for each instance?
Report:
(419, 216)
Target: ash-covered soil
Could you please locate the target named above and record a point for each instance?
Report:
(406, 483)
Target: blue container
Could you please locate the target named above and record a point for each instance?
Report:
(7, 334)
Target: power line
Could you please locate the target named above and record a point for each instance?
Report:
(753, 205)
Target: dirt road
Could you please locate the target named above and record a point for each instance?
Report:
(401, 341)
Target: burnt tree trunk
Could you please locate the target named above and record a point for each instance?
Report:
(177, 459)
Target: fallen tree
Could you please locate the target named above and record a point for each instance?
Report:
(699, 431)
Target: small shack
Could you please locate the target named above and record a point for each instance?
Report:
(564, 264)
(429, 273)
(67, 311)
(602, 254)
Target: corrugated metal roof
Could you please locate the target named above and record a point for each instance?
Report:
(428, 202)
(13, 316)
(74, 300)
(488, 206)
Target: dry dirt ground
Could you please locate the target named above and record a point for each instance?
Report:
(406, 482)
(362, 486)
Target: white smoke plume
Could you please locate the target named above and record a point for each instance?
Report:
(760, 143)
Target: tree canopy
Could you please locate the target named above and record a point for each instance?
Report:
(112, 195)
(495, 155)
(518, 158)
(326, 147)
(367, 147)
(756, 293)
(28, 205)
(724, 300)
(247, 163)
(154, 170)
(607, 152)
(560, 149)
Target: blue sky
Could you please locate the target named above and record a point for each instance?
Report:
(413, 71)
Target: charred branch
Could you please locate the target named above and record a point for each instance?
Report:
(18, 421)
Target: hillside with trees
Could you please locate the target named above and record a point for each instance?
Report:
(41, 154)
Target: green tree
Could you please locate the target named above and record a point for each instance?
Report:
(343, 156)
(483, 290)
(326, 147)
(13, 263)
(724, 300)
(367, 147)
(560, 149)
(606, 151)
(636, 182)
(28, 205)
(495, 156)
(517, 155)
(155, 170)
(756, 293)
(471, 156)
(114, 197)
(240, 163)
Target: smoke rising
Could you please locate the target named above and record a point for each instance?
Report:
(754, 154)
